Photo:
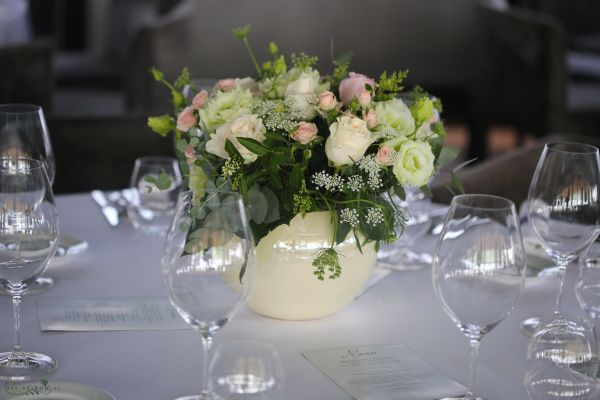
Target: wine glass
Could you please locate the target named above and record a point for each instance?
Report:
(478, 266)
(546, 380)
(208, 264)
(28, 240)
(151, 207)
(398, 255)
(245, 369)
(24, 133)
(564, 208)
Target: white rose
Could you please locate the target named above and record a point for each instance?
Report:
(247, 84)
(413, 163)
(302, 93)
(348, 140)
(394, 114)
(424, 132)
(248, 126)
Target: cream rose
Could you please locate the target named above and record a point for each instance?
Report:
(348, 140)
(249, 126)
(413, 163)
(302, 93)
(394, 115)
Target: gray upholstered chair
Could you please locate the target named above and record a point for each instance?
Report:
(26, 73)
(508, 175)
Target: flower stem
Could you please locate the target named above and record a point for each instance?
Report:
(254, 61)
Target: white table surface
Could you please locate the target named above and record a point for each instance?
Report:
(152, 365)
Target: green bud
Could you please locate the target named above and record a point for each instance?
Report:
(307, 154)
(422, 110)
(273, 49)
(241, 32)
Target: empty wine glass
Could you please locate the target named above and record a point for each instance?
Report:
(151, 205)
(24, 133)
(398, 255)
(208, 264)
(564, 208)
(246, 369)
(28, 240)
(478, 267)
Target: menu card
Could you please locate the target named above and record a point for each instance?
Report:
(108, 315)
(384, 372)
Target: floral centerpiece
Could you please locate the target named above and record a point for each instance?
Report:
(294, 141)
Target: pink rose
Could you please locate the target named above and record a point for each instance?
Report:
(352, 86)
(364, 98)
(385, 156)
(186, 119)
(225, 84)
(305, 133)
(327, 101)
(190, 156)
(199, 99)
(370, 118)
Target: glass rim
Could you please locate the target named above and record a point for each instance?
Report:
(584, 148)
(33, 164)
(146, 159)
(461, 200)
(20, 108)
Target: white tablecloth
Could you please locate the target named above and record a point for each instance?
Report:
(152, 365)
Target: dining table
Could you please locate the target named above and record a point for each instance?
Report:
(401, 308)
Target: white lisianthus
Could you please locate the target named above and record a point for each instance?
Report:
(348, 141)
(394, 115)
(424, 132)
(224, 107)
(275, 88)
(413, 164)
(248, 126)
(302, 93)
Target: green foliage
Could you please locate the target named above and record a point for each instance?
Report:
(177, 97)
(390, 86)
(161, 182)
(183, 79)
(254, 146)
(446, 156)
(241, 32)
(340, 72)
(327, 262)
(273, 49)
(163, 125)
(304, 61)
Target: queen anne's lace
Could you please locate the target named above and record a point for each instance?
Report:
(350, 217)
(327, 181)
(374, 216)
(370, 165)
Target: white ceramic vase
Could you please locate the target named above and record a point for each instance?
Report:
(285, 286)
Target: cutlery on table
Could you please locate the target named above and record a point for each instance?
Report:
(109, 211)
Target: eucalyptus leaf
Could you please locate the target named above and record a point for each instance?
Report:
(447, 155)
(272, 205)
(257, 204)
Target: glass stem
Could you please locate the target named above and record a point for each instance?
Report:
(472, 362)
(206, 345)
(16, 301)
(562, 266)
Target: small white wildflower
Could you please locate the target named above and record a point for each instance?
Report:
(370, 165)
(355, 183)
(230, 167)
(349, 216)
(328, 182)
(374, 216)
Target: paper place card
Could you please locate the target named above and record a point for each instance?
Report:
(108, 315)
(384, 372)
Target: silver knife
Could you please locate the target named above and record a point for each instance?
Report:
(110, 213)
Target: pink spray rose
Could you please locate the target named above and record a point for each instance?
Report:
(385, 156)
(327, 101)
(370, 118)
(352, 86)
(305, 133)
(364, 98)
(225, 84)
(199, 99)
(186, 119)
(190, 156)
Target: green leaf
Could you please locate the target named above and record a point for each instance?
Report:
(342, 232)
(426, 191)
(296, 178)
(163, 182)
(157, 75)
(183, 79)
(162, 124)
(254, 146)
(456, 182)
(275, 180)
(276, 137)
(447, 155)
(343, 58)
(273, 49)
(231, 150)
(278, 159)
(399, 190)
(464, 164)
(257, 204)
(273, 205)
